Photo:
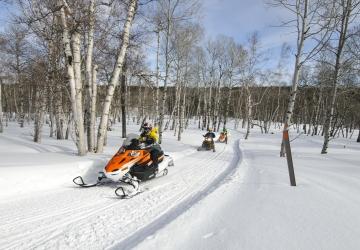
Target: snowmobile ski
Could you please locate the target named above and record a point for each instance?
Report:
(123, 193)
(80, 181)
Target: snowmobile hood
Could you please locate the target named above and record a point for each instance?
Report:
(125, 159)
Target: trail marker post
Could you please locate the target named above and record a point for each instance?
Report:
(289, 157)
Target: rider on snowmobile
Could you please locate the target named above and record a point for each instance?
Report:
(150, 138)
(210, 134)
(224, 131)
(223, 136)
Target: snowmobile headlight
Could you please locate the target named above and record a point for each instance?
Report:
(101, 175)
(134, 153)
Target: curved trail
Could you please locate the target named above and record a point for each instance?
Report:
(181, 207)
(94, 218)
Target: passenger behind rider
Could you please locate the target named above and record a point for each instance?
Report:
(224, 135)
(150, 138)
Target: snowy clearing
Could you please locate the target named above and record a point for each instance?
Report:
(236, 198)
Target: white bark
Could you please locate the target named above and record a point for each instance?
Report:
(157, 80)
(89, 80)
(346, 12)
(300, 46)
(167, 66)
(227, 104)
(249, 105)
(73, 66)
(93, 107)
(182, 114)
(78, 94)
(115, 76)
(39, 116)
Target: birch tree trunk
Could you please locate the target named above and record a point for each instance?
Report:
(317, 112)
(123, 102)
(297, 67)
(217, 105)
(167, 66)
(227, 105)
(51, 115)
(182, 115)
(73, 66)
(209, 107)
(78, 93)
(93, 106)
(204, 122)
(89, 80)
(58, 114)
(157, 80)
(346, 11)
(39, 116)
(249, 113)
(115, 76)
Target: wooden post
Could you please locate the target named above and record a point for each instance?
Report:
(286, 142)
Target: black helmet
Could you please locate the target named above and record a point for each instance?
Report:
(147, 127)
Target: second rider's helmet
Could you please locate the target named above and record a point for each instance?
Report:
(147, 127)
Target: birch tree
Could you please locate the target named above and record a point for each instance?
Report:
(89, 86)
(115, 75)
(250, 74)
(71, 44)
(235, 60)
(313, 19)
(172, 11)
(348, 11)
(184, 40)
(15, 47)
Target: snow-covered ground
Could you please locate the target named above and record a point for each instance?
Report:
(236, 198)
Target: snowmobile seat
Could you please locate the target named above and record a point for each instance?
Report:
(144, 173)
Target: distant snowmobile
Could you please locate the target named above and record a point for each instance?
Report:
(223, 137)
(130, 165)
(208, 143)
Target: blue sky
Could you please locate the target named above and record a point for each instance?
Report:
(234, 18)
(5, 14)
(239, 18)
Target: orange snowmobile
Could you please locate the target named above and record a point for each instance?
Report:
(223, 137)
(130, 165)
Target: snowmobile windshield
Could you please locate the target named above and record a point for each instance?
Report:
(129, 139)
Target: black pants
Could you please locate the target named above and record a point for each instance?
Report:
(155, 153)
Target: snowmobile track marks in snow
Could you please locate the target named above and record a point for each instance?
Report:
(74, 219)
(184, 204)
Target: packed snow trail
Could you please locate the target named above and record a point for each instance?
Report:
(93, 218)
(257, 209)
(183, 206)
